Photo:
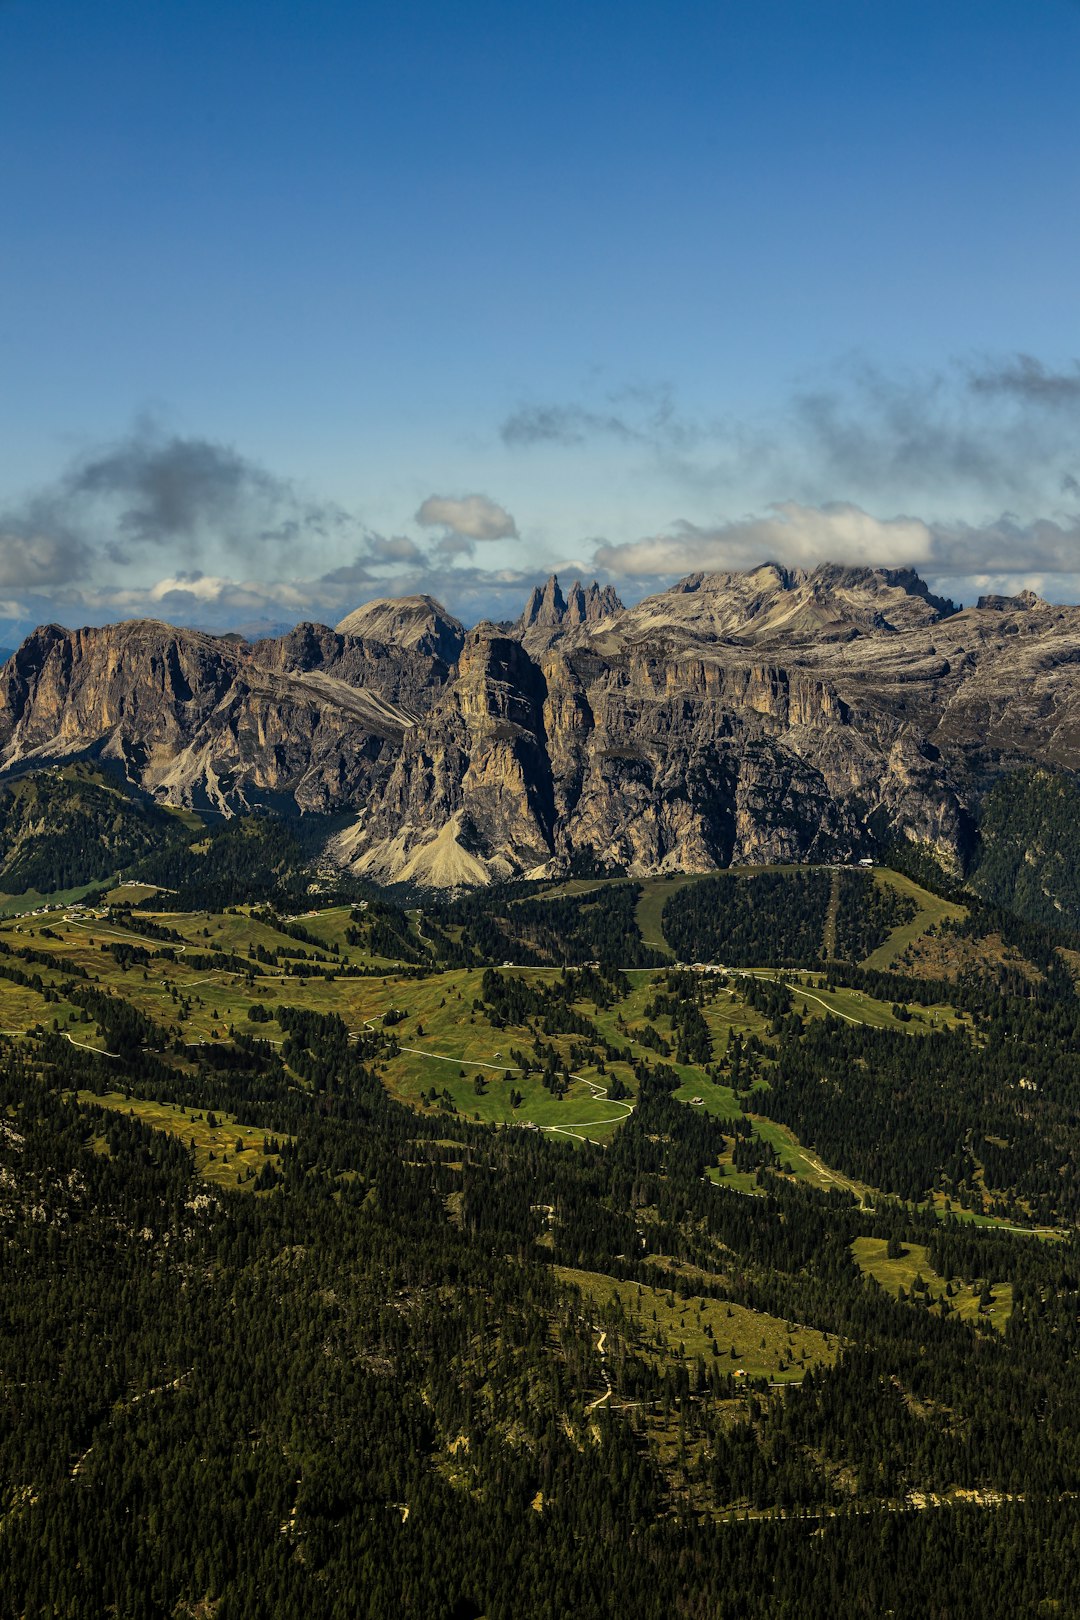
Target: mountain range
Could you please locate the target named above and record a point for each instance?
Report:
(778, 714)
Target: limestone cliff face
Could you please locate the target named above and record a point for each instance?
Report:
(774, 715)
(661, 764)
(470, 797)
(406, 677)
(650, 752)
(211, 722)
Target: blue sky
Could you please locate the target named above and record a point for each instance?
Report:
(301, 305)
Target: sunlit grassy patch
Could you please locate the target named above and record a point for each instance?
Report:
(905, 1271)
(664, 1326)
(932, 909)
(227, 1153)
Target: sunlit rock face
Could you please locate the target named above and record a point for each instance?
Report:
(774, 715)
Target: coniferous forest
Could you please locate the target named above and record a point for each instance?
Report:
(482, 1260)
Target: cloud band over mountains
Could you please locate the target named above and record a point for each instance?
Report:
(839, 532)
(970, 473)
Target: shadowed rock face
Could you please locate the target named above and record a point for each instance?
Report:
(477, 763)
(774, 715)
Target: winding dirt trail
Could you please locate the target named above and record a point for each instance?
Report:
(85, 1047)
(606, 1396)
(571, 1128)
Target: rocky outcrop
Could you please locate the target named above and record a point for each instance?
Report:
(1024, 601)
(794, 605)
(779, 714)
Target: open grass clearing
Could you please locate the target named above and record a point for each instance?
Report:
(665, 1326)
(857, 1006)
(655, 893)
(698, 1091)
(235, 931)
(872, 1258)
(726, 1176)
(948, 1209)
(724, 1012)
(13, 905)
(128, 893)
(443, 1034)
(483, 1095)
(803, 1163)
(217, 1159)
(572, 888)
(200, 1002)
(932, 909)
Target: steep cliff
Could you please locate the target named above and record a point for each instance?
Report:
(470, 798)
(780, 714)
(209, 721)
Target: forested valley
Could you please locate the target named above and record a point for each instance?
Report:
(607, 1248)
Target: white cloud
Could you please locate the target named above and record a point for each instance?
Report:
(787, 533)
(203, 587)
(474, 517)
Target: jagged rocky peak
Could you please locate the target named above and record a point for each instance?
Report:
(418, 622)
(832, 602)
(305, 646)
(550, 610)
(546, 607)
(1023, 602)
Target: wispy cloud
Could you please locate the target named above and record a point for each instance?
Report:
(994, 431)
(153, 491)
(643, 415)
(159, 490)
(1009, 546)
(964, 433)
(564, 425)
(1026, 378)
